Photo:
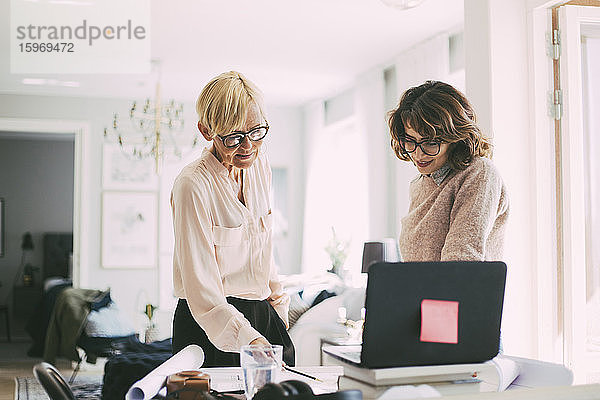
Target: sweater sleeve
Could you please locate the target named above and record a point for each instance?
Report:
(475, 208)
(224, 325)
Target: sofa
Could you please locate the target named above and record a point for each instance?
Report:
(320, 320)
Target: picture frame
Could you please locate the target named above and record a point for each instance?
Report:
(2, 223)
(129, 229)
(123, 172)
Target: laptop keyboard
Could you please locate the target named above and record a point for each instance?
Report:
(352, 355)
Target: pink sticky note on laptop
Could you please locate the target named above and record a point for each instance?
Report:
(439, 321)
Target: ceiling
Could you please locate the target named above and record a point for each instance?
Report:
(294, 51)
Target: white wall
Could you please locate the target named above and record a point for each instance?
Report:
(131, 288)
(497, 83)
(36, 182)
(124, 284)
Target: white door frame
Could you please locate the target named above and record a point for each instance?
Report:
(81, 191)
(560, 301)
(572, 24)
(546, 302)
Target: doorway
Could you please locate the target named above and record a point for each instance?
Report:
(36, 182)
(51, 132)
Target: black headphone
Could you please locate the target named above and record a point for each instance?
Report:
(298, 390)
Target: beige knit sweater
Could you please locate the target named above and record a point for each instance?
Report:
(461, 219)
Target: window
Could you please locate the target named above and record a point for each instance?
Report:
(591, 146)
(336, 196)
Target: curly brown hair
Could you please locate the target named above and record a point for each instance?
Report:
(437, 111)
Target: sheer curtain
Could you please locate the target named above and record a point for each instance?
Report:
(354, 183)
(371, 120)
(336, 194)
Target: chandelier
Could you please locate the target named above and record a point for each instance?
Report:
(154, 130)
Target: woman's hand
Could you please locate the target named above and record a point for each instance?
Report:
(268, 353)
(260, 341)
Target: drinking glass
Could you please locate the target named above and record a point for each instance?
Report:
(260, 365)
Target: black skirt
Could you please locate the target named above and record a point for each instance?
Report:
(261, 315)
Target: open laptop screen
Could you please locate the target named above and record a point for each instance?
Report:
(430, 313)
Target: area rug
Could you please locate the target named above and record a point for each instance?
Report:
(84, 388)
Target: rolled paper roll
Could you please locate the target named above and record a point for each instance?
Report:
(189, 358)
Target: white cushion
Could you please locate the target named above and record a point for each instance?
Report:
(109, 321)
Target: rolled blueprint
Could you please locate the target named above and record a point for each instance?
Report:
(191, 357)
(507, 369)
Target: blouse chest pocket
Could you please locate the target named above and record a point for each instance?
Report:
(224, 236)
(266, 222)
(231, 248)
(265, 227)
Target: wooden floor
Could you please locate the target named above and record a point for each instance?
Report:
(15, 362)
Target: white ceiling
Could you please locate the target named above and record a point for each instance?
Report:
(294, 51)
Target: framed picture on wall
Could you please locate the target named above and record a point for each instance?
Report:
(2, 239)
(129, 230)
(123, 172)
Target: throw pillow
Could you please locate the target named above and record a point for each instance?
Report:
(109, 321)
(297, 308)
(325, 294)
(101, 301)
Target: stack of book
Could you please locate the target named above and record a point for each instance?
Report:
(446, 379)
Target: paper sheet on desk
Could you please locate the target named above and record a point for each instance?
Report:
(328, 374)
(232, 378)
(225, 379)
(191, 357)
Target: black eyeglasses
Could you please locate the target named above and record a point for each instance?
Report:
(236, 138)
(429, 147)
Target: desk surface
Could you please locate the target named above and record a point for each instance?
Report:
(575, 392)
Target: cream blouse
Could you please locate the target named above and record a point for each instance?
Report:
(223, 248)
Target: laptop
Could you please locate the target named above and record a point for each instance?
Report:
(429, 313)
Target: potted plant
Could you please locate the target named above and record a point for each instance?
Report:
(338, 252)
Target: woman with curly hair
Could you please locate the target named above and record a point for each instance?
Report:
(458, 204)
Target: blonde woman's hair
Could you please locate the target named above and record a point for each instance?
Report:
(224, 102)
(437, 111)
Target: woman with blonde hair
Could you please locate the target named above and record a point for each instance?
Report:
(223, 268)
(458, 204)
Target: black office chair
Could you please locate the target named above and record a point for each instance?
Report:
(56, 387)
(94, 347)
(52, 381)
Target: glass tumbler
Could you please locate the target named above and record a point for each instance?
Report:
(260, 365)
